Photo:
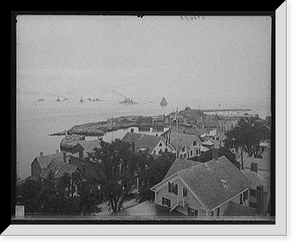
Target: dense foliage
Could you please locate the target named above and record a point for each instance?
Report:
(247, 136)
(70, 194)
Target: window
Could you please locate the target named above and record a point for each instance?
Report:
(191, 153)
(160, 144)
(195, 143)
(253, 192)
(184, 192)
(245, 196)
(173, 188)
(218, 211)
(166, 201)
(192, 212)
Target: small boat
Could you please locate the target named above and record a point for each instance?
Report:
(163, 102)
(58, 100)
(41, 99)
(81, 100)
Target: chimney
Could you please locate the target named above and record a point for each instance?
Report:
(133, 146)
(260, 199)
(215, 153)
(65, 156)
(254, 167)
(41, 153)
(57, 151)
(80, 153)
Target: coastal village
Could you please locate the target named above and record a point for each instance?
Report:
(217, 187)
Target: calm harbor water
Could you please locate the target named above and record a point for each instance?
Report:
(36, 120)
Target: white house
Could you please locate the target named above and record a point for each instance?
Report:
(186, 145)
(154, 144)
(204, 189)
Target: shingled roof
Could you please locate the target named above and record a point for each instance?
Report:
(213, 182)
(45, 160)
(179, 140)
(142, 141)
(59, 168)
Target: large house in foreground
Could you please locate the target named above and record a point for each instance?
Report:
(204, 189)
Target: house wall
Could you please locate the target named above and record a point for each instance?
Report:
(163, 147)
(84, 166)
(35, 169)
(190, 200)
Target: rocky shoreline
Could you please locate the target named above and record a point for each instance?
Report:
(92, 129)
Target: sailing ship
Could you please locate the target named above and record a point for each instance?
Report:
(128, 101)
(81, 100)
(58, 100)
(163, 102)
(41, 99)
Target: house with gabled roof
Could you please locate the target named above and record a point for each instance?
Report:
(144, 142)
(186, 145)
(202, 189)
(58, 163)
(79, 159)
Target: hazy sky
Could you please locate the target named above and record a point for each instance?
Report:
(226, 58)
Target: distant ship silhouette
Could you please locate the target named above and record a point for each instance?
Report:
(163, 102)
(128, 101)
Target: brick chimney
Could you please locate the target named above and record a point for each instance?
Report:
(254, 167)
(215, 153)
(260, 202)
(133, 146)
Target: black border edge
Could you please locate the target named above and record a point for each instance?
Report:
(14, 15)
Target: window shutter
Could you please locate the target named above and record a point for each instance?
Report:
(169, 187)
(176, 189)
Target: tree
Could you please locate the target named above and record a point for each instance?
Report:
(247, 136)
(115, 165)
(69, 194)
(157, 168)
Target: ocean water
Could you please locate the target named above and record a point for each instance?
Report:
(36, 120)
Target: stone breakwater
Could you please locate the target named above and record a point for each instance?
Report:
(93, 129)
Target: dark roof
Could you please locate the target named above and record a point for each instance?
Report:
(45, 160)
(59, 168)
(88, 147)
(89, 144)
(235, 209)
(149, 209)
(142, 141)
(179, 140)
(213, 182)
(256, 179)
(180, 164)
